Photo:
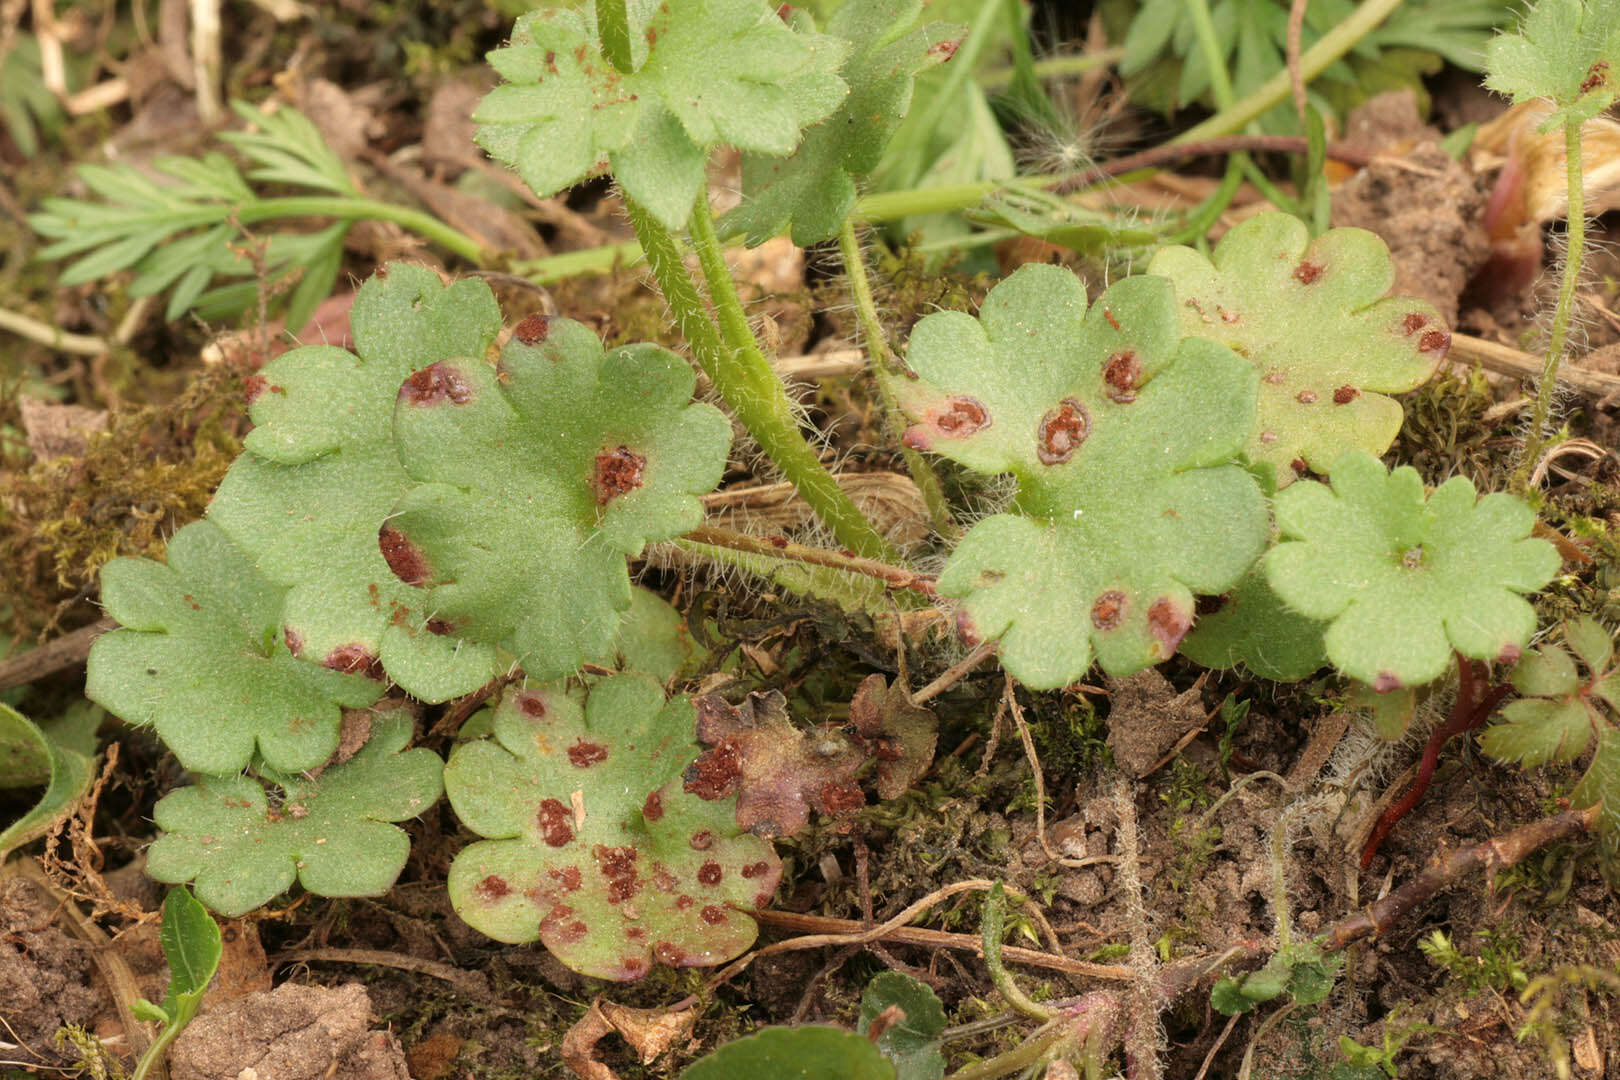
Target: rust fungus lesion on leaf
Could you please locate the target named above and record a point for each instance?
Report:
(1307, 272)
(617, 472)
(1062, 431)
(1344, 395)
(1109, 610)
(492, 888)
(532, 330)
(585, 754)
(555, 821)
(434, 384)
(1413, 322)
(618, 867)
(1437, 342)
(355, 659)
(961, 417)
(408, 562)
(1123, 373)
(1169, 623)
(1305, 397)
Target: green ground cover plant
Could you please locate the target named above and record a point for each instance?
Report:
(449, 512)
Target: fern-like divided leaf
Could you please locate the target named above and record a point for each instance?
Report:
(1120, 434)
(1310, 316)
(179, 226)
(595, 847)
(1404, 578)
(538, 477)
(706, 72)
(319, 477)
(1567, 51)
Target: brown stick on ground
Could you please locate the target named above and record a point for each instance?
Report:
(1448, 868)
(64, 652)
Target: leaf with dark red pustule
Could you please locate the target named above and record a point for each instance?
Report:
(1404, 578)
(593, 846)
(1312, 317)
(331, 832)
(537, 479)
(1120, 434)
(310, 499)
(203, 658)
(778, 772)
(898, 734)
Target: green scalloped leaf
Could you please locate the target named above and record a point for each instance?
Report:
(65, 751)
(240, 849)
(652, 639)
(814, 187)
(811, 1052)
(1406, 578)
(538, 477)
(595, 847)
(1564, 50)
(320, 477)
(1257, 630)
(1120, 434)
(1312, 318)
(202, 658)
(707, 72)
(912, 1045)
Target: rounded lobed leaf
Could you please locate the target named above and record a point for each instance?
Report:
(538, 477)
(1402, 579)
(912, 1044)
(320, 476)
(329, 833)
(1310, 316)
(202, 658)
(808, 1052)
(707, 72)
(1119, 433)
(1256, 629)
(1562, 51)
(594, 847)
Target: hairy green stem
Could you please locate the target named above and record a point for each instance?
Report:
(883, 365)
(352, 209)
(732, 360)
(995, 919)
(1575, 240)
(1312, 62)
(1055, 67)
(613, 28)
(1279, 878)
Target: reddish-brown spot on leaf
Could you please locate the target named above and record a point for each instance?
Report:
(1109, 315)
(710, 873)
(1386, 681)
(1109, 610)
(755, 869)
(1510, 654)
(560, 927)
(702, 840)
(652, 808)
(555, 819)
(1305, 397)
(944, 50)
(1169, 623)
(1268, 436)
(295, 641)
(961, 417)
(618, 867)
(635, 933)
(713, 915)
(1414, 322)
(534, 328)
(1122, 373)
(1596, 76)
(1344, 395)
(1435, 341)
(1274, 377)
(585, 754)
(663, 880)
(492, 888)
(531, 705)
(405, 559)
(253, 386)
(965, 629)
(1308, 273)
(835, 798)
(441, 627)
(715, 773)
(1062, 431)
(355, 659)
(1298, 465)
(682, 902)
(669, 953)
(617, 471)
(434, 384)
(567, 878)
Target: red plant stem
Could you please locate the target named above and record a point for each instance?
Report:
(1472, 709)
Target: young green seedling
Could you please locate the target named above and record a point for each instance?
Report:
(329, 831)
(537, 477)
(1119, 432)
(1563, 712)
(202, 658)
(1565, 52)
(320, 477)
(1404, 578)
(595, 847)
(191, 945)
(1311, 317)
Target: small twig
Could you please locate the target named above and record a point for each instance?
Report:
(1209, 1058)
(470, 983)
(1448, 868)
(48, 335)
(1505, 360)
(56, 655)
(831, 931)
(896, 577)
(955, 672)
(1225, 144)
